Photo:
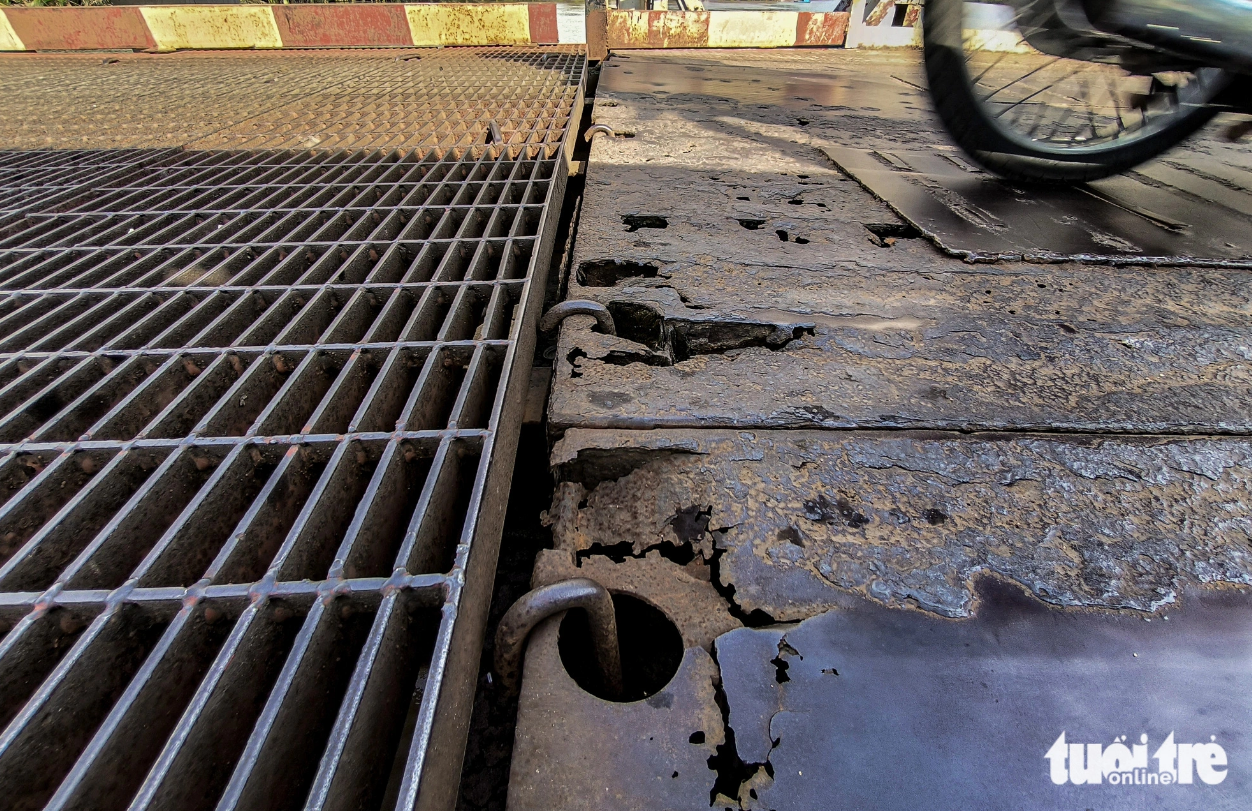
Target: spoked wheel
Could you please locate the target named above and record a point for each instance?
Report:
(1098, 110)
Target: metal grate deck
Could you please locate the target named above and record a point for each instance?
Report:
(258, 407)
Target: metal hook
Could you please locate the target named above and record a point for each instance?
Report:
(597, 128)
(536, 606)
(553, 318)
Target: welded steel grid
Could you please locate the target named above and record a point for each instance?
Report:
(256, 413)
(417, 102)
(118, 101)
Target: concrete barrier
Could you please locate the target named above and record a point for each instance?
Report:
(722, 29)
(171, 28)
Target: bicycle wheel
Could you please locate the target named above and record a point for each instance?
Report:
(1035, 116)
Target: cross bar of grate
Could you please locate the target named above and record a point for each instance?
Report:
(259, 400)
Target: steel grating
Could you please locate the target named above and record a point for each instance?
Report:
(258, 407)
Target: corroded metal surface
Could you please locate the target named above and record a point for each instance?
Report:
(803, 520)
(1188, 211)
(258, 410)
(557, 598)
(896, 710)
(683, 592)
(287, 100)
(724, 29)
(576, 751)
(754, 284)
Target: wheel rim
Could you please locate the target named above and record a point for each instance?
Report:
(1066, 106)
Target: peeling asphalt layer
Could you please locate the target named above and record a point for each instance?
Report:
(1060, 448)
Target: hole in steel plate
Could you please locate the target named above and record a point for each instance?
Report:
(639, 323)
(609, 272)
(884, 234)
(651, 649)
(634, 222)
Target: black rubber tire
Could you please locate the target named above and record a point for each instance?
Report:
(975, 131)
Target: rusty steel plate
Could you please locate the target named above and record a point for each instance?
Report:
(258, 408)
(754, 284)
(928, 613)
(786, 82)
(798, 521)
(1020, 707)
(1184, 210)
(576, 751)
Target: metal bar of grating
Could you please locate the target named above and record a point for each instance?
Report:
(258, 408)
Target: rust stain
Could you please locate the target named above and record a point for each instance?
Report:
(175, 27)
(454, 24)
(85, 28)
(799, 521)
(658, 29)
(829, 28)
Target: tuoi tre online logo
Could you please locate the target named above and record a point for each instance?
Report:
(1177, 764)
